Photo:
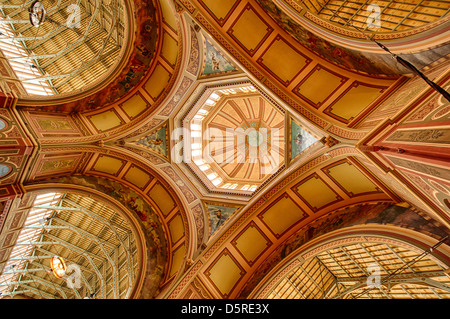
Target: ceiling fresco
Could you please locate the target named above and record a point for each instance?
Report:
(240, 155)
(214, 62)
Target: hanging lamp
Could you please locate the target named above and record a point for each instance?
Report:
(58, 266)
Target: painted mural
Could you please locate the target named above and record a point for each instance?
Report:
(215, 62)
(157, 141)
(365, 62)
(300, 139)
(155, 237)
(382, 213)
(218, 214)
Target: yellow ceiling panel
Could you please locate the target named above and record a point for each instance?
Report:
(106, 120)
(157, 81)
(225, 273)
(251, 243)
(134, 106)
(170, 49)
(162, 198)
(137, 176)
(356, 99)
(282, 215)
(250, 30)
(282, 60)
(168, 15)
(176, 228)
(107, 164)
(220, 9)
(319, 85)
(357, 184)
(177, 260)
(316, 193)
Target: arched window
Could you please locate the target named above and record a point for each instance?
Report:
(95, 242)
(59, 47)
(379, 16)
(365, 270)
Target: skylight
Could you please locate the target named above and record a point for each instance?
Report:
(31, 232)
(213, 146)
(22, 64)
(73, 45)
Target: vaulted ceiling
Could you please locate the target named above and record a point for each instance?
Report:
(225, 149)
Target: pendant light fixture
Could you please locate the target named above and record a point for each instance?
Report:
(58, 266)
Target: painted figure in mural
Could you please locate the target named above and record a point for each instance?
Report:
(299, 141)
(218, 214)
(215, 62)
(157, 141)
(157, 145)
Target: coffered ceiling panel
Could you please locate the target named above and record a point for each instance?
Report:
(316, 192)
(358, 184)
(312, 89)
(283, 60)
(224, 273)
(250, 30)
(221, 10)
(283, 213)
(251, 243)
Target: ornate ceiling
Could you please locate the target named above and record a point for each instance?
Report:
(236, 138)
(255, 146)
(231, 149)
(80, 43)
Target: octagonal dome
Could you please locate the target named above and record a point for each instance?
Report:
(237, 138)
